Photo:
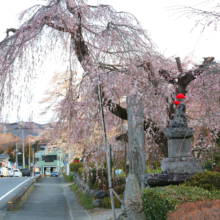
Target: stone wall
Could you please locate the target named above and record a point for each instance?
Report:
(96, 195)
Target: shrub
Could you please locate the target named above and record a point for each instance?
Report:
(149, 170)
(153, 164)
(119, 164)
(158, 201)
(200, 210)
(153, 167)
(106, 202)
(118, 180)
(119, 189)
(122, 174)
(209, 180)
(80, 171)
(69, 178)
(75, 166)
(96, 178)
(207, 165)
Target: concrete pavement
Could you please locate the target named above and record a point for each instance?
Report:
(50, 199)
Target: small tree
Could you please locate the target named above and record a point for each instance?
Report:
(11, 154)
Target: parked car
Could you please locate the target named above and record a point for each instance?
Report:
(26, 172)
(3, 171)
(54, 173)
(17, 173)
(38, 173)
(10, 172)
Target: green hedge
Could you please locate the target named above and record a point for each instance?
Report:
(80, 171)
(209, 180)
(157, 202)
(75, 166)
(207, 165)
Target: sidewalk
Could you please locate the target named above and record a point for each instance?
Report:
(50, 199)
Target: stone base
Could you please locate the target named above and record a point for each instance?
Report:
(159, 179)
(179, 147)
(181, 166)
(132, 199)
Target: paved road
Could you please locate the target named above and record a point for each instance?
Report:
(51, 199)
(10, 187)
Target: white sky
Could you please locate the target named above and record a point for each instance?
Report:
(172, 36)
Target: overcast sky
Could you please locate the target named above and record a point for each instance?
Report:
(172, 35)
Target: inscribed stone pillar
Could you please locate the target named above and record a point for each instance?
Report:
(136, 151)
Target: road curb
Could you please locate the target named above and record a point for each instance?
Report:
(16, 201)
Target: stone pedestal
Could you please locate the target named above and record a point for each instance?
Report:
(179, 147)
(179, 161)
(181, 166)
(159, 179)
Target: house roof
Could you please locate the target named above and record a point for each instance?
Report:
(4, 156)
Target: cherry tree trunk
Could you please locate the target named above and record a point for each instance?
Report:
(136, 150)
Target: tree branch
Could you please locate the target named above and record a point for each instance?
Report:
(10, 30)
(179, 66)
(117, 110)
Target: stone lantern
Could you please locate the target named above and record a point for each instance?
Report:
(180, 160)
(180, 164)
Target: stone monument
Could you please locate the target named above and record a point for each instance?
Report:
(132, 207)
(180, 164)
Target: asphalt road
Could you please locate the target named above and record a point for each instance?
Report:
(51, 199)
(10, 187)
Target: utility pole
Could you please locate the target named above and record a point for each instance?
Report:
(23, 160)
(59, 163)
(59, 154)
(16, 156)
(33, 159)
(68, 162)
(29, 158)
(106, 146)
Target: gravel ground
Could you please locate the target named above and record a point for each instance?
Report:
(102, 214)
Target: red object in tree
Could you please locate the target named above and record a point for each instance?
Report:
(180, 96)
(176, 103)
(76, 161)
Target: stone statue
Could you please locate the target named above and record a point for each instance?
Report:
(178, 127)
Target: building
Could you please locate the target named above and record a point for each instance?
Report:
(49, 161)
(4, 160)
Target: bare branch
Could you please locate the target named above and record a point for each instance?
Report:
(179, 64)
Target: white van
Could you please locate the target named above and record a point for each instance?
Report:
(3, 171)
